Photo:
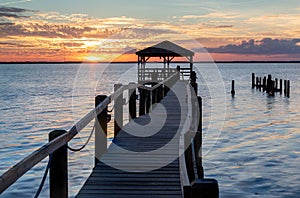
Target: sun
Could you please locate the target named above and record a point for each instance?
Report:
(93, 58)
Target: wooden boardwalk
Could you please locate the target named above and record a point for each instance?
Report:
(143, 160)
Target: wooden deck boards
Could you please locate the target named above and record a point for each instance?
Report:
(143, 159)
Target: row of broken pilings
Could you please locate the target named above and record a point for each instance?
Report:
(271, 86)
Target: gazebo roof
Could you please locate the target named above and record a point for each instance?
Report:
(163, 49)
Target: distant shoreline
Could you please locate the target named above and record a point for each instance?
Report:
(78, 62)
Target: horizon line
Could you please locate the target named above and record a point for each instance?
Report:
(118, 62)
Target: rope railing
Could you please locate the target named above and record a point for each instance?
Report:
(84, 145)
(44, 178)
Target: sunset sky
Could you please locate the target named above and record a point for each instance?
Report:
(106, 30)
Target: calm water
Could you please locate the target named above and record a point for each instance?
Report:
(257, 153)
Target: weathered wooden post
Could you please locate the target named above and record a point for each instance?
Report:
(280, 86)
(166, 89)
(100, 130)
(264, 83)
(232, 88)
(193, 82)
(198, 143)
(188, 154)
(118, 111)
(142, 104)
(148, 100)
(132, 101)
(288, 89)
(269, 83)
(154, 96)
(253, 80)
(160, 93)
(276, 84)
(271, 91)
(285, 87)
(59, 168)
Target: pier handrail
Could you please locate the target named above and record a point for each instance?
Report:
(164, 82)
(19, 169)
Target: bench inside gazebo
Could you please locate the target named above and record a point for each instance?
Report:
(167, 51)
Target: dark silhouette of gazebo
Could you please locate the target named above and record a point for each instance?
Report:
(167, 51)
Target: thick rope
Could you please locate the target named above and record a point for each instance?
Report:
(111, 109)
(44, 177)
(79, 149)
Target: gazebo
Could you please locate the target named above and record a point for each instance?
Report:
(167, 51)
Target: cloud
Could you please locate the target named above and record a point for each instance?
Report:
(221, 15)
(13, 12)
(14, 2)
(266, 46)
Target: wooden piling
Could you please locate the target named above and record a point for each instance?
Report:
(194, 83)
(154, 96)
(271, 88)
(280, 86)
(188, 154)
(198, 143)
(264, 83)
(285, 87)
(148, 100)
(260, 84)
(269, 83)
(276, 84)
(118, 111)
(132, 101)
(100, 130)
(288, 89)
(232, 88)
(160, 93)
(253, 80)
(59, 168)
(142, 103)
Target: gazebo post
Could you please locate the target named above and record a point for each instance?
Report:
(191, 64)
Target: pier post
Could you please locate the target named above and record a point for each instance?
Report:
(288, 89)
(232, 88)
(264, 83)
(285, 87)
(272, 87)
(260, 83)
(154, 96)
(148, 100)
(188, 154)
(193, 82)
(132, 101)
(118, 111)
(280, 86)
(166, 89)
(159, 93)
(59, 168)
(100, 130)
(276, 84)
(253, 80)
(198, 143)
(269, 83)
(142, 103)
